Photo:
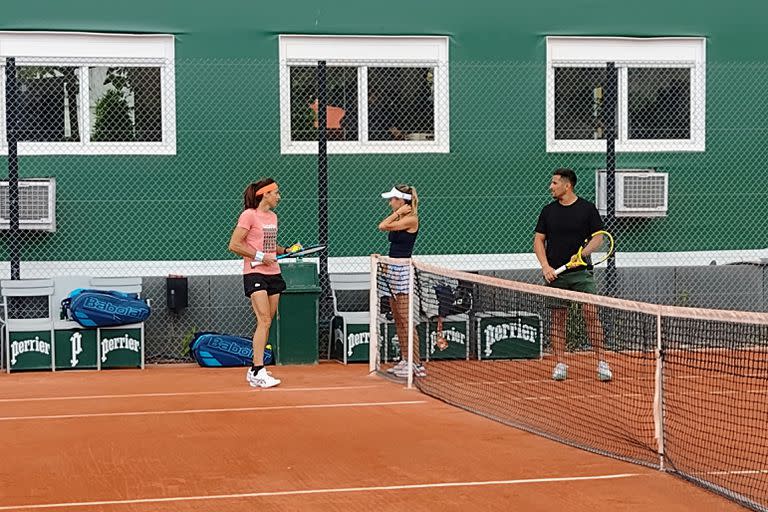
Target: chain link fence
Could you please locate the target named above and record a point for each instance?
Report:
(137, 168)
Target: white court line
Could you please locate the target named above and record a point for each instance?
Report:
(634, 395)
(321, 491)
(181, 393)
(629, 395)
(202, 411)
(548, 380)
(731, 392)
(537, 398)
(738, 472)
(575, 397)
(554, 383)
(592, 379)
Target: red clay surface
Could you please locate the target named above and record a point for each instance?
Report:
(331, 438)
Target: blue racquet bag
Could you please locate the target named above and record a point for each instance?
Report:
(104, 308)
(213, 349)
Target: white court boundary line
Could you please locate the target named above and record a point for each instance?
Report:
(180, 393)
(625, 395)
(736, 472)
(583, 396)
(208, 411)
(436, 485)
(593, 379)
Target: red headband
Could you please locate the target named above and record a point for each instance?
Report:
(266, 188)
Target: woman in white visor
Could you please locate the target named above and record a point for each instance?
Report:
(403, 228)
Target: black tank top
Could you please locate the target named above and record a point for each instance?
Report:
(401, 243)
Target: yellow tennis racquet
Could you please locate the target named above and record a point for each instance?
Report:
(600, 244)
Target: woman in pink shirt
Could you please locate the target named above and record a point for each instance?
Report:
(255, 239)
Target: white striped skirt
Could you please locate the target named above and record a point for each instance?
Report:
(394, 280)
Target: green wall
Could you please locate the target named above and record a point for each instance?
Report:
(482, 197)
(484, 30)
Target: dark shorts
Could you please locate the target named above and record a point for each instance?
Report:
(272, 284)
(579, 281)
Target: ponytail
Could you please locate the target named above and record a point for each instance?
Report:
(413, 201)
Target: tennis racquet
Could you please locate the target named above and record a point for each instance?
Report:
(302, 252)
(600, 245)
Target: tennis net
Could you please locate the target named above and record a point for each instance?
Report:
(680, 389)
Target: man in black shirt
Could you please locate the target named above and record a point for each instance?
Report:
(562, 227)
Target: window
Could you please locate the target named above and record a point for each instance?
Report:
(384, 94)
(342, 99)
(48, 99)
(401, 104)
(661, 93)
(91, 93)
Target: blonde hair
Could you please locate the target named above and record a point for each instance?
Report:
(414, 201)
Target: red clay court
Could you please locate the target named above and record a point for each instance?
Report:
(331, 438)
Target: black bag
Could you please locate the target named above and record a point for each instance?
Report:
(453, 301)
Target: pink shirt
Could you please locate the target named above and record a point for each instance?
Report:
(262, 236)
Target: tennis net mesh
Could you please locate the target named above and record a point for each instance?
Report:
(679, 389)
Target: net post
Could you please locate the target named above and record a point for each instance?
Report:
(658, 396)
(411, 293)
(373, 318)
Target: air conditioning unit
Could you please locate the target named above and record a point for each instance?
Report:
(37, 204)
(639, 192)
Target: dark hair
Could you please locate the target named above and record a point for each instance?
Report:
(566, 174)
(250, 199)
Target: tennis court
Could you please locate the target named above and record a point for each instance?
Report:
(333, 437)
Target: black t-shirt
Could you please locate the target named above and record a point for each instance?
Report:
(566, 228)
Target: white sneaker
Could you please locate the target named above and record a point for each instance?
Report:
(262, 379)
(604, 372)
(418, 371)
(560, 372)
(249, 374)
(398, 367)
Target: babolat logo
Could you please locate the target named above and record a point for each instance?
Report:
(514, 331)
(353, 340)
(231, 348)
(121, 342)
(25, 346)
(452, 336)
(96, 304)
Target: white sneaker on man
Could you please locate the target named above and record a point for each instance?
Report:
(262, 379)
(398, 367)
(560, 372)
(604, 372)
(418, 371)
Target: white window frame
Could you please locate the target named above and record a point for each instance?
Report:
(626, 52)
(360, 52)
(84, 50)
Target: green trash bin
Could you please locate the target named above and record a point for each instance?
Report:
(297, 315)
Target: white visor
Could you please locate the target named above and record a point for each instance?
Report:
(396, 193)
